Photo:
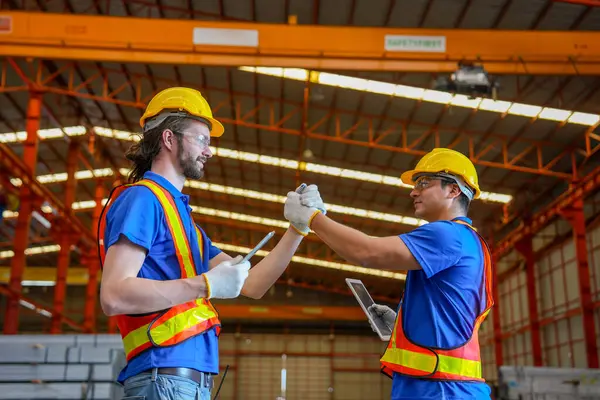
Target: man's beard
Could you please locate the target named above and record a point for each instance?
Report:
(189, 166)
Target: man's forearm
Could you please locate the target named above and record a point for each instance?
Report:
(349, 243)
(139, 295)
(264, 274)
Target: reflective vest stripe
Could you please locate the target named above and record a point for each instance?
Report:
(174, 311)
(180, 322)
(200, 241)
(183, 320)
(138, 350)
(138, 336)
(191, 332)
(187, 329)
(176, 227)
(459, 364)
(425, 364)
(161, 333)
(135, 339)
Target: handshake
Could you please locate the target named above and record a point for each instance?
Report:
(226, 280)
(301, 206)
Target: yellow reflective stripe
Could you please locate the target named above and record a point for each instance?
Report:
(135, 338)
(460, 366)
(200, 242)
(426, 363)
(398, 321)
(181, 322)
(169, 328)
(179, 238)
(410, 359)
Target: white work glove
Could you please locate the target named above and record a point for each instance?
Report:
(225, 281)
(310, 197)
(383, 312)
(299, 215)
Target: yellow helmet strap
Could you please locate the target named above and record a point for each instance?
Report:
(464, 188)
(162, 117)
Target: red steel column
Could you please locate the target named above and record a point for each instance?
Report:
(91, 292)
(65, 241)
(525, 247)
(574, 214)
(21, 240)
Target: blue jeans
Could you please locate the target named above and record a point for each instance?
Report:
(163, 387)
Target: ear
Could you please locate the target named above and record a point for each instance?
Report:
(454, 191)
(169, 139)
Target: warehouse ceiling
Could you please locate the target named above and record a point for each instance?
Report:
(301, 122)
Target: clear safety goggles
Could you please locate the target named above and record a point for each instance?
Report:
(200, 140)
(424, 181)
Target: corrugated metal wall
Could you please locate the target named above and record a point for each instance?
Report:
(557, 280)
(558, 304)
(264, 366)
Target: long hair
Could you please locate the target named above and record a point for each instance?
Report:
(143, 152)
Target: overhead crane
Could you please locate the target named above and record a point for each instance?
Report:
(209, 43)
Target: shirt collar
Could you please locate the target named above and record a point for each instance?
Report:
(465, 219)
(168, 186)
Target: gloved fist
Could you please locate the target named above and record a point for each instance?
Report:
(225, 281)
(383, 312)
(310, 197)
(299, 216)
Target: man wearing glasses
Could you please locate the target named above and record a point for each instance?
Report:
(434, 351)
(160, 269)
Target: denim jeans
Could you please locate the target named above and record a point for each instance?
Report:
(163, 387)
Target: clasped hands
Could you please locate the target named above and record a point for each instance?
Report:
(226, 280)
(301, 206)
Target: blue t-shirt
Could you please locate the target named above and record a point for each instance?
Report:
(138, 215)
(441, 303)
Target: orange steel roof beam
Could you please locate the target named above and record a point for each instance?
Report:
(522, 155)
(589, 184)
(12, 163)
(139, 40)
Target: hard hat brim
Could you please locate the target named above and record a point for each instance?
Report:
(217, 128)
(407, 177)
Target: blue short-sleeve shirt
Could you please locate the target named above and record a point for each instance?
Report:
(137, 215)
(441, 302)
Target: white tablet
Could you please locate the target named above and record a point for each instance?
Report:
(364, 299)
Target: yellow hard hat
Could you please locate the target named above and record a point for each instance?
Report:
(182, 100)
(446, 161)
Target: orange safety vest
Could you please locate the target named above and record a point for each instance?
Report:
(462, 363)
(174, 325)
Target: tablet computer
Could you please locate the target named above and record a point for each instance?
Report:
(364, 299)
